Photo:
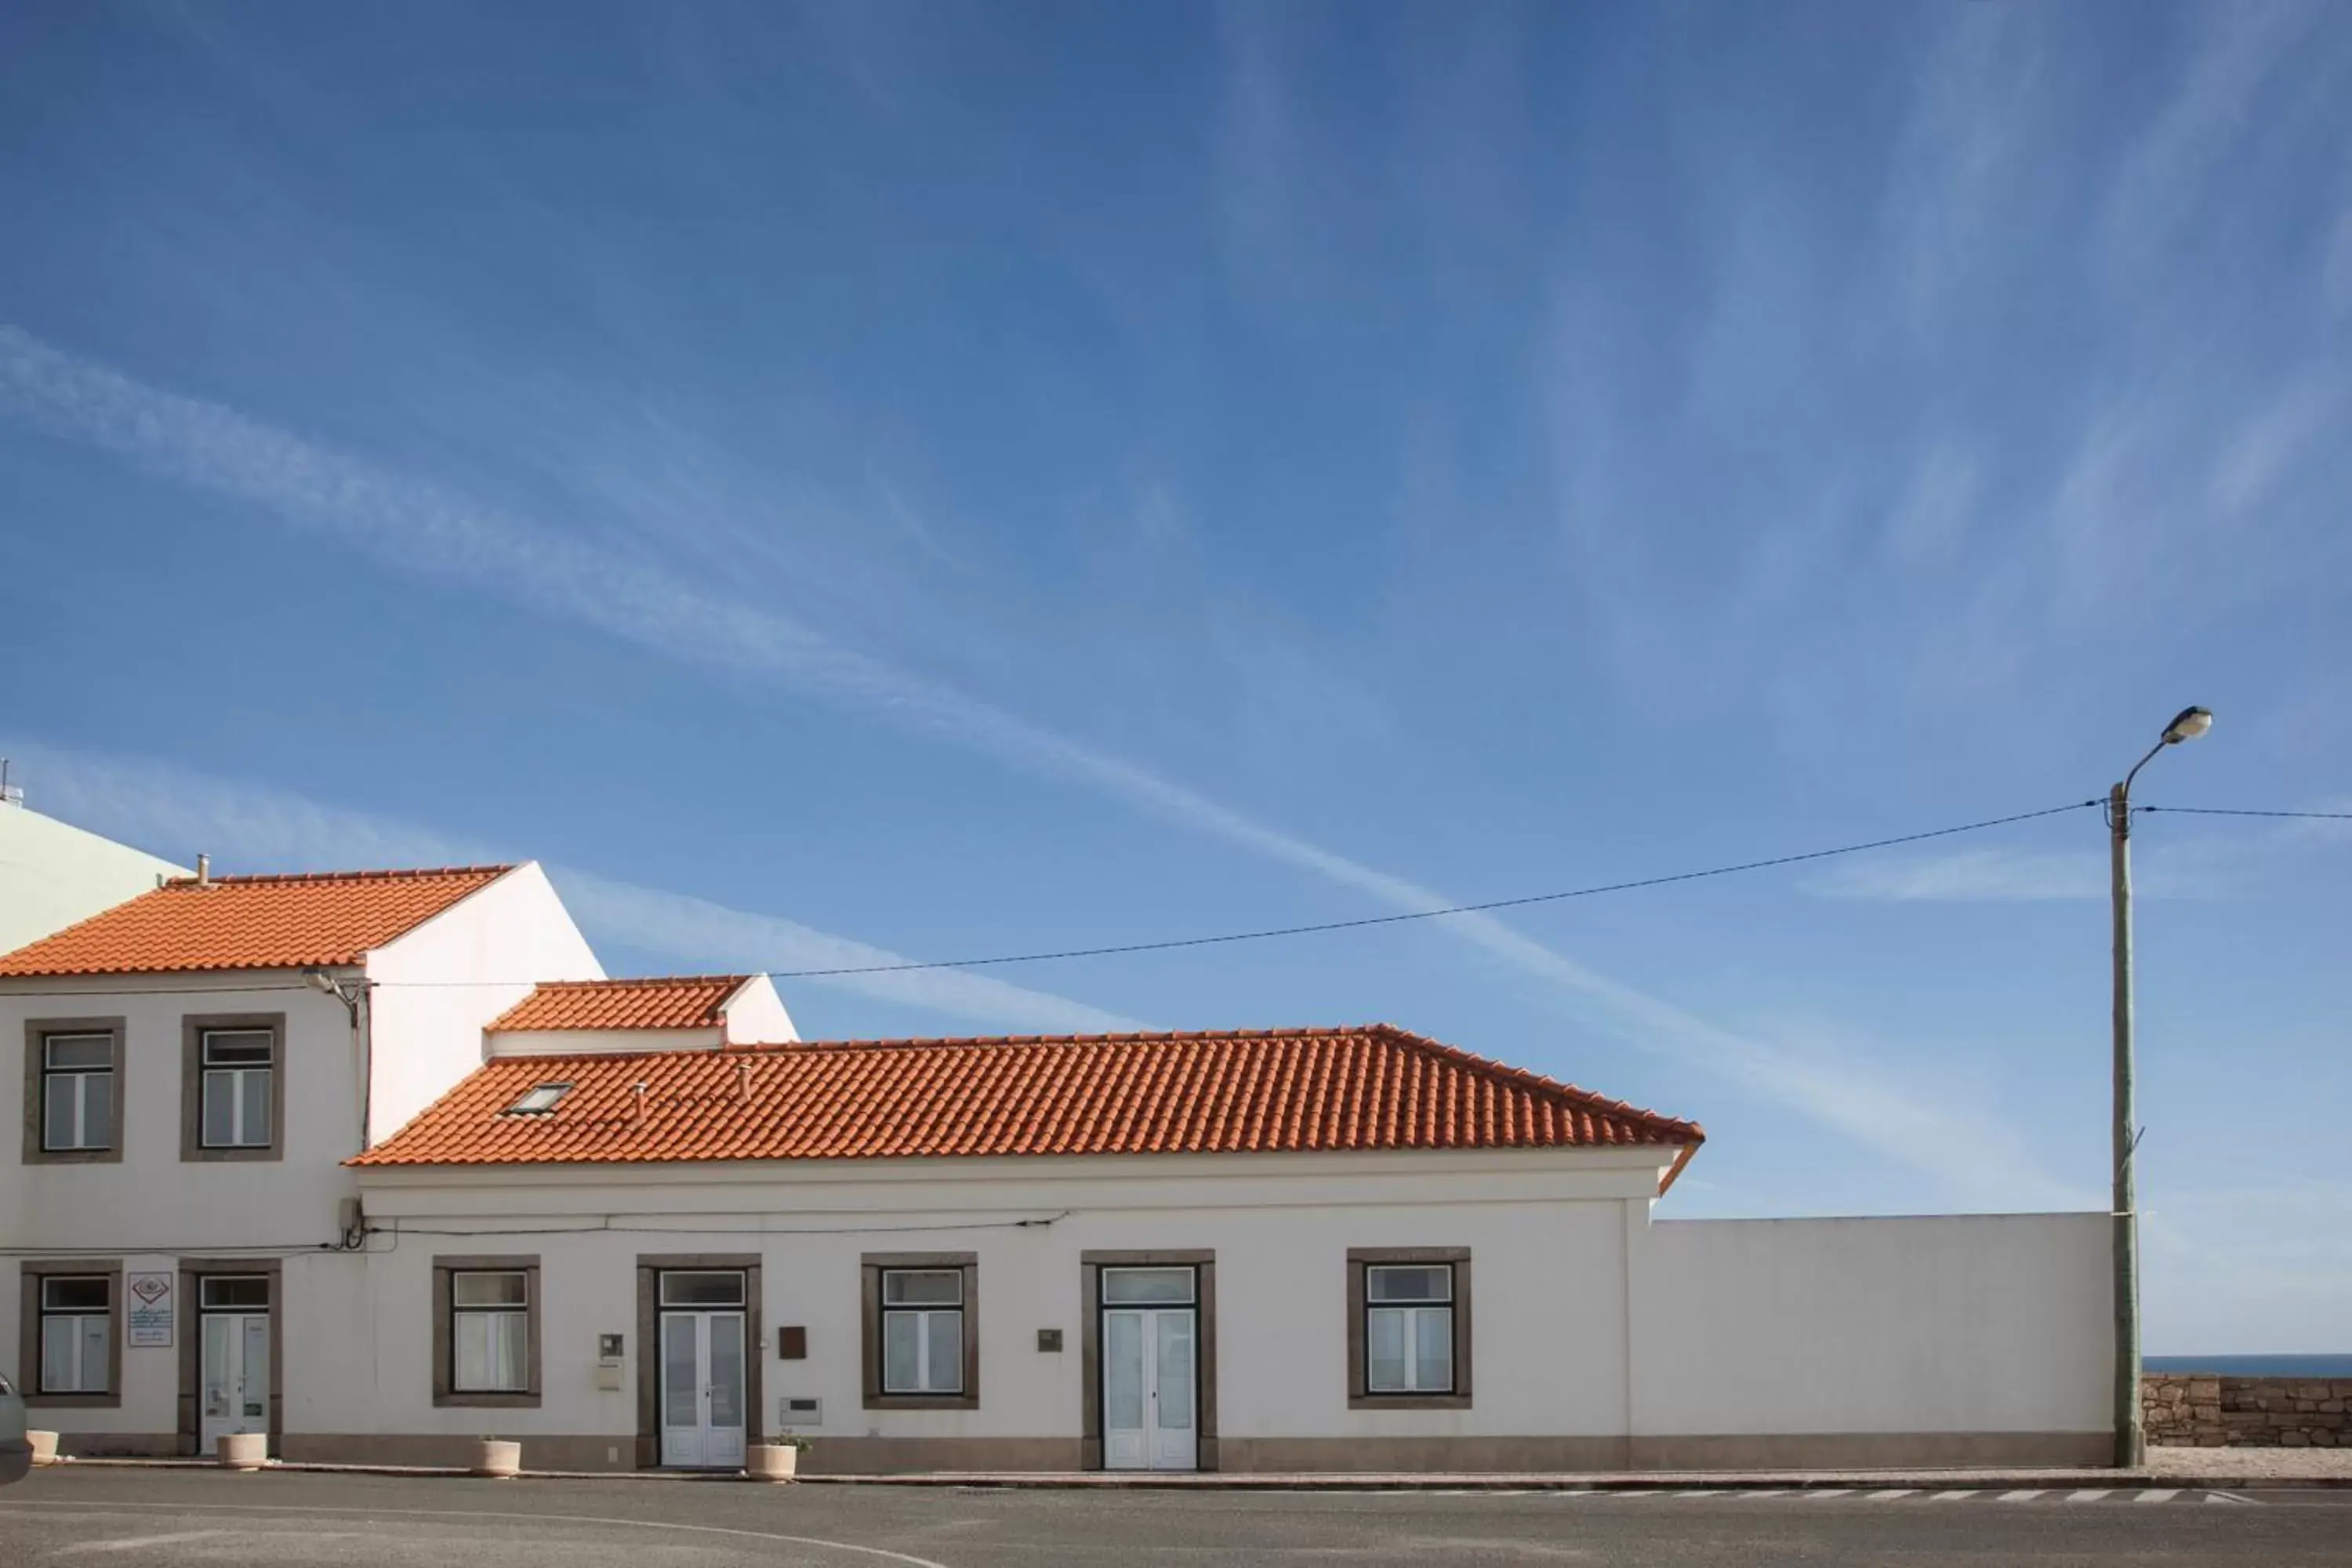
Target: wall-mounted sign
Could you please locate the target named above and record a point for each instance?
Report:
(148, 1320)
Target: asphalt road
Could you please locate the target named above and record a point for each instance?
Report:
(167, 1519)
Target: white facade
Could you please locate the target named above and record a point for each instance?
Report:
(151, 1204)
(53, 874)
(1597, 1338)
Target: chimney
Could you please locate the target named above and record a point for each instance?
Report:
(203, 871)
(637, 1116)
(743, 1083)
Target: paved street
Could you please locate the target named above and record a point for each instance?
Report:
(162, 1518)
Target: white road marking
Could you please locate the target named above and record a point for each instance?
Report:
(1817, 1495)
(881, 1551)
(2021, 1496)
(1890, 1496)
(2157, 1494)
(2094, 1494)
(134, 1543)
(1767, 1491)
(1947, 1497)
(2234, 1498)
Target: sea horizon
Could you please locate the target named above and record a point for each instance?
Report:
(2311, 1364)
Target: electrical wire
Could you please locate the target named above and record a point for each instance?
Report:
(2229, 811)
(1491, 904)
(1359, 923)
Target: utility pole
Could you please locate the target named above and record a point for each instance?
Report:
(2131, 1445)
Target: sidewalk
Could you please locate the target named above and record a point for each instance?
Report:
(2221, 1469)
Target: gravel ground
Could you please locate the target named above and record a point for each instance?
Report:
(2253, 1464)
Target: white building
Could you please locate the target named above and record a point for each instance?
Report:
(53, 874)
(174, 1212)
(649, 1226)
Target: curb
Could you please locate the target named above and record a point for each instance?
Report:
(1653, 1481)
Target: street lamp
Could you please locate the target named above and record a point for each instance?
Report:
(2130, 1444)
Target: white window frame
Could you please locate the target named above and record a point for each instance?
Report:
(921, 1315)
(493, 1318)
(1408, 1311)
(84, 1081)
(231, 1077)
(77, 1317)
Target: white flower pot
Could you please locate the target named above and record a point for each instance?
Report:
(44, 1447)
(496, 1460)
(243, 1450)
(771, 1462)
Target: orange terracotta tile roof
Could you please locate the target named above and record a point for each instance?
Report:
(251, 922)
(664, 1001)
(1366, 1087)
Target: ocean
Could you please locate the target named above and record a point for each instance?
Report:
(2253, 1365)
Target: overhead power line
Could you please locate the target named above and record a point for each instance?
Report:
(1491, 904)
(2229, 811)
(1366, 922)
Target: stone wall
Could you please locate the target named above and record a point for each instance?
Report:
(2185, 1410)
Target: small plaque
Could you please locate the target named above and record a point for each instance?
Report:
(1049, 1339)
(792, 1343)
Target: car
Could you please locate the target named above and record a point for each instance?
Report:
(15, 1449)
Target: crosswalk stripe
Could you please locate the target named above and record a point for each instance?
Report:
(1832, 1491)
(1948, 1497)
(2096, 1494)
(2021, 1496)
(2157, 1494)
(2231, 1497)
(1890, 1496)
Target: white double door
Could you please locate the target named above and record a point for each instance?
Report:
(236, 1375)
(702, 1394)
(1150, 1389)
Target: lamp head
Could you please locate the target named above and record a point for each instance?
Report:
(2187, 725)
(322, 980)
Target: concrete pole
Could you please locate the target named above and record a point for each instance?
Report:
(2130, 1444)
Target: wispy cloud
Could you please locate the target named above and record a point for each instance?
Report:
(414, 525)
(243, 825)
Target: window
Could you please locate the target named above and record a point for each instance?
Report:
(1409, 1340)
(699, 1290)
(239, 1066)
(1147, 1287)
(76, 1092)
(1408, 1329)
(921, 1330)
(73, 1091)
(234, 1293)
(486, 1348)
(539, 1101)
(233, 1086)
(77, 1316)
(490, 1337)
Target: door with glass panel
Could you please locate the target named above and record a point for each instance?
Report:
(1151, 1379)
(234, 1312)
(702, 1371)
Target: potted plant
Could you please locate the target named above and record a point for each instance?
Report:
(498, 1459)
(777, 1462)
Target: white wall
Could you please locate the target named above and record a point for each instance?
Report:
(756, 1016)
(150, 1209)
(436, 986)
(1953, 1323)
(1543, 1229)
(53, 874)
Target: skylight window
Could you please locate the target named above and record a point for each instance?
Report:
(539, 1101)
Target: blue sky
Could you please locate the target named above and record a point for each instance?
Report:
(859, 480)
